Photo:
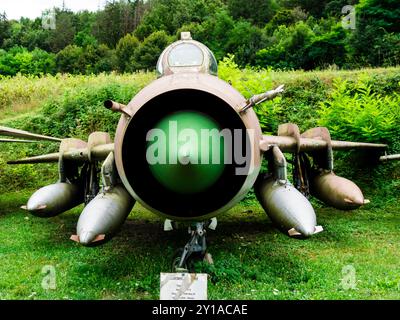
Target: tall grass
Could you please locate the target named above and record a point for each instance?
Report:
(21, 94)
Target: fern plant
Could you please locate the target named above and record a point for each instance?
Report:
(354, 112)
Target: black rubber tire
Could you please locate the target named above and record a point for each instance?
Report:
(190, 262)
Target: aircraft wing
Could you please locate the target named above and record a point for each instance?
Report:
(291, 144)
(79, 155)
(286, 144)
(16, 141)
(4, 131)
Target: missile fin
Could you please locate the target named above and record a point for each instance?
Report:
(213, 224)
(208, 258)
(100, 237)
(294, 233)
(318, 229)
(168, 225)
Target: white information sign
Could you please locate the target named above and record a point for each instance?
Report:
(183, 286)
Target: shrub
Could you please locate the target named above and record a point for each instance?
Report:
(287, 48)
(126, 48)
(146, 55)
(354, 112)
(20, 60)
(68, 60)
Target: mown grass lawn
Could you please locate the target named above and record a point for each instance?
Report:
(252, 259)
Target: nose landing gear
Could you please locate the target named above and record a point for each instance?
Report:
(195, 249)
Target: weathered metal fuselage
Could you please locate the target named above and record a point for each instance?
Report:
(200, 86)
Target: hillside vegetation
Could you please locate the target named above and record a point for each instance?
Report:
(360, 105)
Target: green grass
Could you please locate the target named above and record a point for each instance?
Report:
(252, 259)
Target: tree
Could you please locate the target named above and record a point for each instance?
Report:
(334, 8)
(68, 60)
(147, 54)
(115, 21)
(327, 49)
(376, 20)
(214, 32)
(258, 12)
(314, 7)
(9, 65)
(245, 40)
(171, 15)
(286, 17)
(286, 48)
(43, 62)
(4, 28)
(125, 50)
(107, 61)
(65, 30)
(84, 39)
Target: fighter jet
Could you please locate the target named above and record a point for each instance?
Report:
(189, 147)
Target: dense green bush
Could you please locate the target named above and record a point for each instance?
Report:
(68, 59)
(304, 45)
(287, 47)
(125, 51)
(20, 60)
(146, 55)
(356, 106)
(87, 60)
(84, 39)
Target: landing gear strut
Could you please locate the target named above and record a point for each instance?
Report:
(195, 250)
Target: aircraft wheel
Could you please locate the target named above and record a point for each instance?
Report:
(189, 265)
(176, 260)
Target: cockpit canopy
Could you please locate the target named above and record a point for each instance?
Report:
(186, 56)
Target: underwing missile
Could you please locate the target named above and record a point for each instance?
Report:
(337, 192)
(54, 199)
(103, 216)
(287, 208)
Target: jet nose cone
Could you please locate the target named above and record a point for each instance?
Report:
(35, 206)
(356, 199)
(86, 237)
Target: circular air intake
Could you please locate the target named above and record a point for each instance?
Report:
(182, 179)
